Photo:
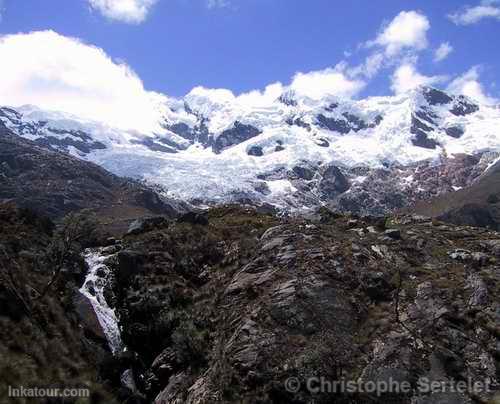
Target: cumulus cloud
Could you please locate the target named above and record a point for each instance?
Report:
(64, 74)
(443, 51)
(408, 30)
(128, 11)
(261, 98)
(206, 100)
(406, 77)
(368, 69)
(472, 15)
(468, 84)
(403, 36)
(315, 85)
(318, 84)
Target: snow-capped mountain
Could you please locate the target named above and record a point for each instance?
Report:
(293, 152)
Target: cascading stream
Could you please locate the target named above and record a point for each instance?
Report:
(93, 288)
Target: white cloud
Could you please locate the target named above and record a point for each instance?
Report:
(206, 100)
(64, 74)
(468, 84)
(315, 85)
(408, 30)
(406, 78)
(262, 98)
(321, 83)
(443, 52)
(129, 11)
(472, 15)
(368, 69)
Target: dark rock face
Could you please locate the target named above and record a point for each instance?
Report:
(238, 134)
(421, 130)
(332, 107)
(348, 123)
(376, 191)
(255, 151)
(143, 225)
(198, 134)
(86, 313)
(227, 313)
(396, 187)
(454, 131)
(463, 107)
(356, 123)
(279, 148)
(194, 218)
(332, 183)
(154, 146)
(425, 115)
(78, 139)
(288, 99)
(54, 183)
(66, 142)
(304, 173)
(322, 142)
(476, 204)
(436, 97)
(421, 140)
(471, 215)
(335, 125)
(418, 125)
(298, 122)
(182, 130)
(128, 265)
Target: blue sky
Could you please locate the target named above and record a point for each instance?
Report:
(241, 45)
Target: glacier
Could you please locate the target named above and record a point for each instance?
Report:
(211, 148)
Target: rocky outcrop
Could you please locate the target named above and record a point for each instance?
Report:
(371, 191)
(237, 134)
(347, 123)
(196, 134)
(332, 183)
(462, 106)
(454, 131)
(146, 224)
(436, 97)
(230, 311)
(421, 131)
(255, 151)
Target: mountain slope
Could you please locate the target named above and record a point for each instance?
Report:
(476, 205)
(212, 148)
(226, 312)
(44, 338)
(55, 183)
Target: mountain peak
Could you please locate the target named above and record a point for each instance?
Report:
(212, 145)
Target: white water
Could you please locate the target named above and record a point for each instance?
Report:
(93, 288)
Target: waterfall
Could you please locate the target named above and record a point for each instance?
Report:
(93, 288)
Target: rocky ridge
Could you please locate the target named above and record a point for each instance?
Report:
(227, 308)
(55, 184)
